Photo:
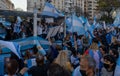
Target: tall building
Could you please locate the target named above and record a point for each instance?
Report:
(59, 4)
(31, 4)
(81, 7)
(77, 5)
(6, 5)
(91, 6)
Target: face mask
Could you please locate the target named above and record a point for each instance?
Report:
(83, 72)
(106, 66)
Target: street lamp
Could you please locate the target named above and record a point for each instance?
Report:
(35, 18)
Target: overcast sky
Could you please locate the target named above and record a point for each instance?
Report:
(20, 4)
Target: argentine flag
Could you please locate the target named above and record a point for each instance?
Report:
(117, 20)
(83, 19)
(31, 62)
(40, 49)
(14, 47)
(75, 25)
(94, 22)
(87, 25)
(50, 10)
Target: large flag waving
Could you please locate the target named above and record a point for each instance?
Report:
(83, 19)
(14, 47)
(75, 25)
(50, 10)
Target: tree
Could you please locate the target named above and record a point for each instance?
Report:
(107, 6)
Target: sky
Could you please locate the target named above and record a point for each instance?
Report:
(20, 4)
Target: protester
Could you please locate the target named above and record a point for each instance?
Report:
(52, 53)
(74, 59)
(39, 29)
(94, 53)
(109, 66)
(67, 43)
(40, 69)
(12, 68)
(63, 61)
(57, 70)
(86, 68)
(79, 45)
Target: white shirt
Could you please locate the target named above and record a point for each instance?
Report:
(39, 30)
(76, 72)
(17, 27)
(79, 43)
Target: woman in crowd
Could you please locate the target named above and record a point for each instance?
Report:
(63, 60)
(102, 53)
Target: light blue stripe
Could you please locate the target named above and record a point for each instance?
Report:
(50, 14)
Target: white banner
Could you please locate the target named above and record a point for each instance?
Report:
(50, 33)
(56, 29)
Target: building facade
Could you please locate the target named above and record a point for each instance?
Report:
(91, 6)
(6, 5)
(81, 7)
(31, 4)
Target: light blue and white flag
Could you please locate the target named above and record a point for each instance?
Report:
(87, 25)
(117, 20)
(40, 49)
(98, 25)
(14, 47)
(94, 22)
(31, 62)
(83, 19)
(19, 20)
(50, 10)
(75, 25)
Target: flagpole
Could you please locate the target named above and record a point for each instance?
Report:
(67, 11)
(65, 18)
(65, 27)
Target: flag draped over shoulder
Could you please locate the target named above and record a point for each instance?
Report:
(14, 47)
(50, 10)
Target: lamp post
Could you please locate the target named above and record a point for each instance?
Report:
(35, 18)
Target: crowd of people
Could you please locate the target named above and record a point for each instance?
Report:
(24, 28)
(83, 55)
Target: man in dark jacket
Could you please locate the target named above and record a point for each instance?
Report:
(40, 69)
